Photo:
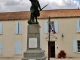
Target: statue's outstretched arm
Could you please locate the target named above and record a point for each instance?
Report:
(39, 5)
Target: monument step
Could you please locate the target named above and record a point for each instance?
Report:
(34, 53)
(35, 58)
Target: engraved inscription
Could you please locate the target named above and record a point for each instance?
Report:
(32, 42)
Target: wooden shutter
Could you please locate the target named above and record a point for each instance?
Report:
(16, 27)
(0, 47)
(20, 28)
(0, 28)
(18, 47)
(75, 46)
(56, 26)
(45, 27)
(78, 26)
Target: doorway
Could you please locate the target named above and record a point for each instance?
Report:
(51, 49)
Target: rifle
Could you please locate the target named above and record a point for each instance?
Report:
(45, 6)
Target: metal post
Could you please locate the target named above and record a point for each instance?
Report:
(49, 28)
(49, 35)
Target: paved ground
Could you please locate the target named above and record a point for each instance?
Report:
(10, 58)
(65, 59)
(46, 59)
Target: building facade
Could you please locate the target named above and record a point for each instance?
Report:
(66, 23)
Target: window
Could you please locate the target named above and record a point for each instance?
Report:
(0, 28)
(0, 48)
(53, 27)
(18, 47)
(78, 45)
(18, 28)
(78, 26)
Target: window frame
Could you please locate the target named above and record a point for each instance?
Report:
(78, 45)
(18, 28)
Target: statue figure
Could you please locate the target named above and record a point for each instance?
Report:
(35, 11)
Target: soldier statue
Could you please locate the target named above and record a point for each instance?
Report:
(35, 11)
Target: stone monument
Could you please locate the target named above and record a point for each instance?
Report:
(34, 52)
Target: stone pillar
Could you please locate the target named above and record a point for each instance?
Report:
(33, 52)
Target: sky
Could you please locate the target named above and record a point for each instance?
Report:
(24, 5)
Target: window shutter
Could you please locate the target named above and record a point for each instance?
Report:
(78, 26)
(75, 46)
(20, 28)
(45, 27)
(56, 26)
(0, 47)
(18, 47)
(0, 28)
(16, 29)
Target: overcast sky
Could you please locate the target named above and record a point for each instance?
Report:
(24, 5)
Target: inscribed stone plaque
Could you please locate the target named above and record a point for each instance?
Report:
(32, 42)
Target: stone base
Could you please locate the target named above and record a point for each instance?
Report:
(34, 55)
(34, 52)
(35, 58)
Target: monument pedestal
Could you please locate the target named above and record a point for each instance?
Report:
(34, 52)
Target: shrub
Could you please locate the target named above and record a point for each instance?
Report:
(61, 54)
